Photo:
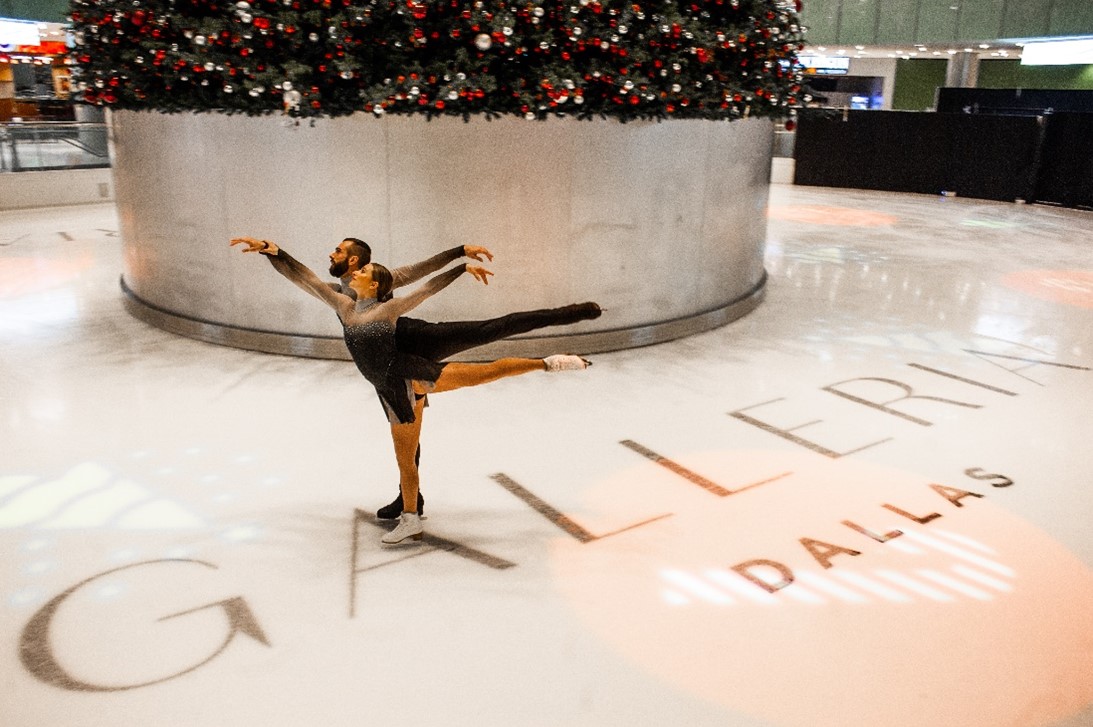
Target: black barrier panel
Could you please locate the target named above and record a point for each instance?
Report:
(1013, 101)
(985, 157)
(993, 157)
(859, 149)
(1066, 162)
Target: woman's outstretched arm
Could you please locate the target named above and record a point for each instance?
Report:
(297, 272)
(400, 306)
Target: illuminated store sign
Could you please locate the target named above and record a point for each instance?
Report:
(18, 32)
(824, 65)
(1058, 53)
(38, 60)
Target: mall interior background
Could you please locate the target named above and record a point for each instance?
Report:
(907, 47)
(860, 54)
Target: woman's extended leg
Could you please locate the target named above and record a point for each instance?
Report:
(461, 375)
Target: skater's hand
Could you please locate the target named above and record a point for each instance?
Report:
(255, 245)
(477, 252)
(479, 273)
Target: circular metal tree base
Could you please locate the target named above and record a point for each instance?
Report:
(333, 347)
(662, 224)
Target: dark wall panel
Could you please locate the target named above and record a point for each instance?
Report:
(990, 157)
(1066, 161)
(929, 153)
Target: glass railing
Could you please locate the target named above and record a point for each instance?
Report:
(40, 146)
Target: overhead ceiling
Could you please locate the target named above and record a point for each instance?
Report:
(985, 51)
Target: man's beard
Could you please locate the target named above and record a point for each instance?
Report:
(339, 269)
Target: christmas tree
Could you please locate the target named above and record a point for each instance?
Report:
(714, 59)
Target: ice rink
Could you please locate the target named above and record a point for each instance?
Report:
(866, 503)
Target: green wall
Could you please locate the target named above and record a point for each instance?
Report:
(917, 82)
(894, 22)
(52, 11)
(1011, 74)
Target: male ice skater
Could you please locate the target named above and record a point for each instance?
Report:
(438, 341)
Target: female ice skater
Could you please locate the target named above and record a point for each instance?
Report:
(401, 379)
(438, 341)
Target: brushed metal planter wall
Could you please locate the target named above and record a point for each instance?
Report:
(663, 224)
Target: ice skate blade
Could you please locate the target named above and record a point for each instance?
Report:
(417, 537)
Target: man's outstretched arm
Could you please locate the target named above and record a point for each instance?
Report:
(408, 274)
